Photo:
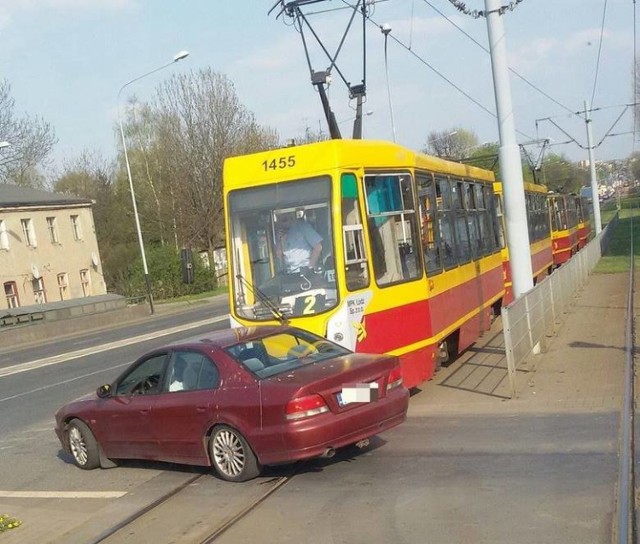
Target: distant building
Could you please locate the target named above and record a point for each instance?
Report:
(48, 248)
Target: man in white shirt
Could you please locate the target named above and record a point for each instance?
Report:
(299, 245)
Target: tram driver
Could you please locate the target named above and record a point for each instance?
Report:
(298, 245)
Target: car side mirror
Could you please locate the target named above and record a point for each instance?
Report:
(104, 391)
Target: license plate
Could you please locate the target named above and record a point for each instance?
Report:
(358, 393)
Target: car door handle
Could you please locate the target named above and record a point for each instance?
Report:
(144, 412)
(201, 408)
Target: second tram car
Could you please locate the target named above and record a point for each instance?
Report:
(539, 235)
(406, 248)
(584, 222)
(564, 226)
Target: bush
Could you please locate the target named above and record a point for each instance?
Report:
(165, 272)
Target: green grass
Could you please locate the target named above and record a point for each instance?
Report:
(194, 298)
(616, 258)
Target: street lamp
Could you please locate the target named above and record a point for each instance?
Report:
(178, 56)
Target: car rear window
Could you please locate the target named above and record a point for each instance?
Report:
(283, 352)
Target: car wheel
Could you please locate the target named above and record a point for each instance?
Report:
(232, 456)
(82, 445)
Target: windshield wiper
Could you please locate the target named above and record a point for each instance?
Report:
(257, 293)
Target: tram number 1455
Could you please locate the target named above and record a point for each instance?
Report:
(279, 163)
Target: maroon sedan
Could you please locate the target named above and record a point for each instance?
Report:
(237, 400)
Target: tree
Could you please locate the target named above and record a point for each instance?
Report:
(200, 122)
(634, 165)
(90, 176)
(451, 144)
(561, 175)
(176, 147)
(31, 139)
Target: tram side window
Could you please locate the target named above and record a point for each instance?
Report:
(531, 213)
(544, 216)
(393, 228)
(355, 254)
(498, 222)
(429, 225)
(483, 219)
(559, 213)
(446, 222)
(462, 232)
(572, 213)
(473, 220)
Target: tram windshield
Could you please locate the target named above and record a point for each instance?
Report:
(282, 249)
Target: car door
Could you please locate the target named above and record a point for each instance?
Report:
(182, 415)
(126, 415)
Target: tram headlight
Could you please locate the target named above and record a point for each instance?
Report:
(338, 337)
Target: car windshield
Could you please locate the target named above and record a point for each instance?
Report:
(284, 352)
(282, 249)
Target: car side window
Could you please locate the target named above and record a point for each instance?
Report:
(145, 378)
(190, 371)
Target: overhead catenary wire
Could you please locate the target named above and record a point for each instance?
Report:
(635, 78)
(595, 79)
(442, 76)
(476, 14)
(514, 72)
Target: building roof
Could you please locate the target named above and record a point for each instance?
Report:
(12, 196)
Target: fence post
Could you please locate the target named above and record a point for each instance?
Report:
(508, 348)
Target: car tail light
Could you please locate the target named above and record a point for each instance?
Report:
(395, 378)
(308, 406)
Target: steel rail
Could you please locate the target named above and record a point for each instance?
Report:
(626, 486)
(235, 518)
(137, 515)
(280, 482)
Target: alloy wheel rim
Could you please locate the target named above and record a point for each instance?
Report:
(228, 453)
(78, 445)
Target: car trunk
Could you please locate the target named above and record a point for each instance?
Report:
(328, 378)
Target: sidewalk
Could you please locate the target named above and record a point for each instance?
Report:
(582, 369)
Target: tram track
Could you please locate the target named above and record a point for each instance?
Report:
(220, 527)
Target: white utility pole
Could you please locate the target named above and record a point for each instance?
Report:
(595, 196)
(515, 211)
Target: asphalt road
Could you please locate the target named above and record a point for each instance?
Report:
(461, 478)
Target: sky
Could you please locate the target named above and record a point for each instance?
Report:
(67, 59)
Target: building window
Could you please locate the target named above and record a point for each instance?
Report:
(38, 291)
(53, 233)
(4, 235)
(28, 234)
(75, 225)
(11, 293)
(63, 285)
(85, 280)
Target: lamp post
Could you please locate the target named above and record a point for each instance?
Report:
(179, 56)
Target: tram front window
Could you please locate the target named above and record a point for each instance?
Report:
(282, 250)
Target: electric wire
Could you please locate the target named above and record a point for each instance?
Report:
(445, 78)
(514, 72)
(635, 78)
(476, 14)
(595, 81)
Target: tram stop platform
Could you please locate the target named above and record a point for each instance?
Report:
(581, 370)
(544, 466)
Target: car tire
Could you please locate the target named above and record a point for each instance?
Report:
(82, 445)
(231, 456)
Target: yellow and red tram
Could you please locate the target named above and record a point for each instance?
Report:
(564, 226)
(539, 235)
(410, 261)
(584, 222)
